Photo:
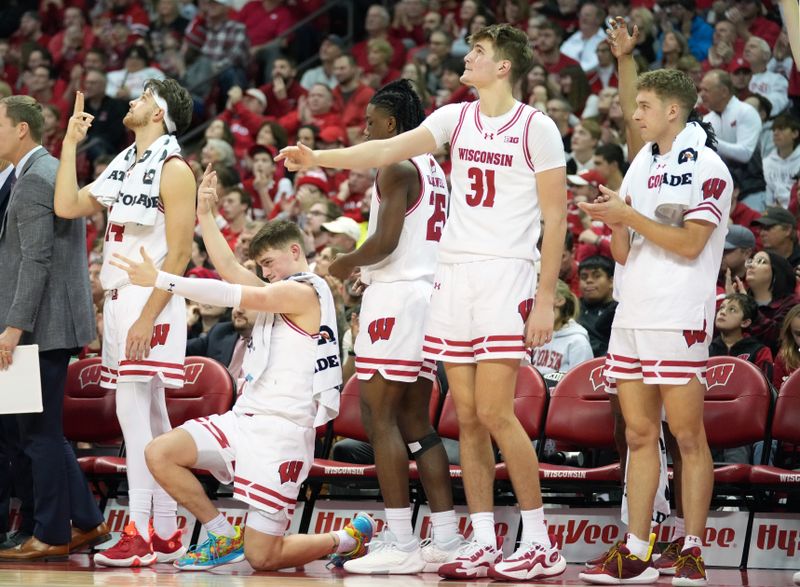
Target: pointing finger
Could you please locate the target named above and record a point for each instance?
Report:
(78, 109)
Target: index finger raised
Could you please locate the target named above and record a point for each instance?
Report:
(78, 109)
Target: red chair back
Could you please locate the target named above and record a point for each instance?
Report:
(90, 412)
(786, 420)
(580, 411)
(208, 389)
(348, 422)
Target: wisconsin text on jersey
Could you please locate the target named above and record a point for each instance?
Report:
(476, 156)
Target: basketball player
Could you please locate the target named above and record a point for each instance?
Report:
(265, 444)
(150, 192)
(398, 259)
(506, 178)
(669, 240)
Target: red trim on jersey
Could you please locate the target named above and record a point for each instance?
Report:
(296, 328)
(478, 116)
(621, 359)
(497, 338)
(217, 432)
(705, 207)
(675, 363)
(448, 342)
(457, 130)
(447, 353)
(525, 150)
(151, 364)
(388, 362)
(669, 375)
(615, 369)
(421, 189)
(150, 373)
(513, 121)
(500, 349)
(256, 497)
(262, 489)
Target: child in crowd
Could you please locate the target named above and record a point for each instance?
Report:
(788, 359)
(734, 318)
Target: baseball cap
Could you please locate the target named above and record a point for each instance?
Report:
(333, 134)
(344, 225)
(258, 95)
(256, 149)
(739, 63)
(739, 237)
(776, 215)
(589, 177)
(336, 40)
(314, 180)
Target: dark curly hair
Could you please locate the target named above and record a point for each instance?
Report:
(399, 99)
(178, 99)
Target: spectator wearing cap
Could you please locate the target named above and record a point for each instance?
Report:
(748, 19)
(331, 47)
(377, 26)
(772, 85)
(224, 43)
(284, 91)
(582, 45)
(310, 188)
(128, 83)
(682, 16)
(350, 96)
(107, 134)
(741, 73)
(740, 243)
(244, 115)
(265, 189)
(133, 14)
(316, 108)
(782, 167)
(333, 137)
(779, 233)
(344, 233)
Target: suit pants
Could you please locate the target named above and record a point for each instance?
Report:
(15, 476)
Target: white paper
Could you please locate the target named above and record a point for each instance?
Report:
(20, 386)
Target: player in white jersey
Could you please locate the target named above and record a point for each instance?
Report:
(398, 260)
(265, 444)
(144, 330)
(508, 175)
(669, 240)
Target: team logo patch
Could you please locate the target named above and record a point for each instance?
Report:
(89, 376)
(597, 378)
(719, 375)
(192, 372)
(687, 155)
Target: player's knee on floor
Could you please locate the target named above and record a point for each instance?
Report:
(263, 548)
(417, 448)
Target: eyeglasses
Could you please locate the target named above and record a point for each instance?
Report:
(754, 261)
(316, 213)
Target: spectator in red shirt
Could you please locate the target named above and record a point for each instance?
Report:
(568, 273)
(133, 14)
(316, 108)
(605, 76)
(408, 18)
(243, 115)
(264, 186)
(725, 32)
(548, 48)
(452, 90)
(234, 207)
(351, 192)
(284, 91)
(379, 71)
(376, 25)
(747, 17)
(29, 32)
(52, 133)
(41, 84)
(264, 20)
(742, 214)
(350, 96)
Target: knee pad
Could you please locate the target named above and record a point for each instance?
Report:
(418, 447)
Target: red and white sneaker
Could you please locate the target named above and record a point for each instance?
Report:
(690, 571)
(622, 568)
(169, 549)
(530, 561)
(131, 551)
(472, 561)
(600, 559)
(666, 564)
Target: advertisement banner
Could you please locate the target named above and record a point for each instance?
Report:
(775, 542)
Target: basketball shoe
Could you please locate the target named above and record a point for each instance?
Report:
(599, 560)
(437, 553)
(666, 563)
(387, 556)
(361, 528)
(530, 561)
(473, 560)
(214, 552)
(130, 551)
(623, 568)
(690, 570)
(169, 549)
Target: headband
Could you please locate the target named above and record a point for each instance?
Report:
(162, 103)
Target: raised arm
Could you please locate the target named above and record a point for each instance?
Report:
(791, 15)
(70, 202)
(622, 46)
(369, 154)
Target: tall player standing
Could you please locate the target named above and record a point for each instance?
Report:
(144, 329)
(506, 178)
(398, 260)
(669, 239)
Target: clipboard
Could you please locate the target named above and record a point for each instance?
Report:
(20, 385)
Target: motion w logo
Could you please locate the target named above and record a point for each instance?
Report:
(380, 329)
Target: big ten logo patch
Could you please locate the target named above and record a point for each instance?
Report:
(381, 329)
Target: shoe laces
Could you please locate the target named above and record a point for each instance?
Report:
(526, 547)
(689, 559)
(470, 548)
(129, 533)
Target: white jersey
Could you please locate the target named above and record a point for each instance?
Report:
(414, 258)
(494, 210)
(126, 239)
(660, 290)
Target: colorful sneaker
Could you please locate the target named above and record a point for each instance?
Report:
(690, 570)
(473, 560)
(599, 560)
(214, 552)
(436, 554)
(530, 561)
(669, 556)
(386, 556)
(362, 528)
(130, 551)
(167, 550)
(622, 568)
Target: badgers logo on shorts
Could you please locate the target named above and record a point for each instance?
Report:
(719, 375)
(290, 471)
(596, 378)
(380, 329)
(89, 376)
(191, 373)
(524, 308)
(694, 337)
(160, 333)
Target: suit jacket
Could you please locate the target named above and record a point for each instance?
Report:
(217, 344)
(44, 274)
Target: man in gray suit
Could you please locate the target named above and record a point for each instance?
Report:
(44, 299)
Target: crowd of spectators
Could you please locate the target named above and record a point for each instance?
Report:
(260, 83)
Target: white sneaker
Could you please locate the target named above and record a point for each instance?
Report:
(530, 561)
(386, 556)
(436, 555)
(797, 578)
(472, 561)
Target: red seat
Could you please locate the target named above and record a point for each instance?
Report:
(735, 411)
(530, 403)
(580, 414)
(90, 413)
(785, 428)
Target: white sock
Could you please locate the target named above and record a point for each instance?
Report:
(346, 542)
(483, 528)
(534, 528)
(637, 547)
(165, 514)
(679, 531)
(445, 526)
(399, 522)
(139, 504)
(220, 526)
(692, 542)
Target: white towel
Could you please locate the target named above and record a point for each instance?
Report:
(675, 193)
(130, 187)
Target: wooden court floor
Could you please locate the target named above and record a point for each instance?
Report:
(78, 572)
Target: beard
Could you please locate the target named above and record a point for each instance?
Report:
(132, 121)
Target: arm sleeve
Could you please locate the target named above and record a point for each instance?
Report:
(205, 291)
(442, 122)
